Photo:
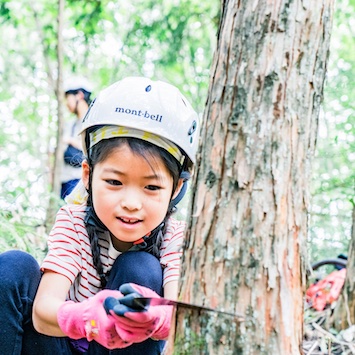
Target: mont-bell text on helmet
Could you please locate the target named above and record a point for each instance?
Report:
(146, 114)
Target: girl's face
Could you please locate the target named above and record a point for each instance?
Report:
(130, 193)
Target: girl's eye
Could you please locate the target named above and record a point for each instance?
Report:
(153, 187)
(114, 182)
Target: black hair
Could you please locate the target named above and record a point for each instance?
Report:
(98, 153)
(86, 94)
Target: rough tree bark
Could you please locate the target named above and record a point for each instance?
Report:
(58, 154)
(246, 237)
(344, 314)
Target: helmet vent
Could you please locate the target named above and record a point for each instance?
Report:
(148, 88)
(192, 128)
(184, 102)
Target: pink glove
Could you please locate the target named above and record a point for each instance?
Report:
(88, 319)
(135, 325)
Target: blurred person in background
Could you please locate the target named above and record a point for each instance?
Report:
(77, 94)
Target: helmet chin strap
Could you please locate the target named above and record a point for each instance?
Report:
(185, 175)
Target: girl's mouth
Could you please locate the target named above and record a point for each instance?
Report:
(129, 220)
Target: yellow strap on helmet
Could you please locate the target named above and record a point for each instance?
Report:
(107, 132)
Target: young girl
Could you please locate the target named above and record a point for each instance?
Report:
(115, 236)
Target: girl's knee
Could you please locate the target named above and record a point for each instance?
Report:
(17, 265)
(138, 267)
(17, 259)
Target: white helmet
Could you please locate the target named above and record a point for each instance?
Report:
(142, 104)
(75, 83)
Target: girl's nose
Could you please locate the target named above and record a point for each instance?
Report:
(131, 201)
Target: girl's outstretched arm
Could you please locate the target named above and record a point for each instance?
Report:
(51, 294)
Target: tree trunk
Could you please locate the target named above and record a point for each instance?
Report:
(58, 154)
(247, 235)
(344, 313)
(60, 99)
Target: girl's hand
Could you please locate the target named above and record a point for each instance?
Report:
(138, 325)
(88, 319)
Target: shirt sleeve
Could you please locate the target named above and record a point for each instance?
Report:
(64, 246)
(171, 250)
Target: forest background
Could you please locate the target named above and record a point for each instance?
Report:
(171, 40)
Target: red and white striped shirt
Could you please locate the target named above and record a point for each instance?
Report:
(70, 253)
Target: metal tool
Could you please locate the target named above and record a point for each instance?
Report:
(138, 303)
